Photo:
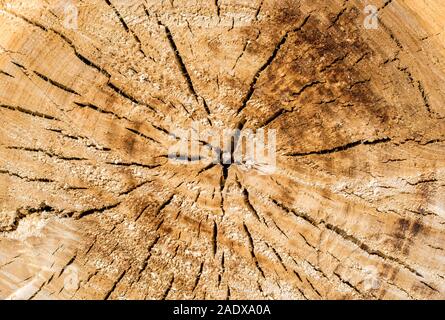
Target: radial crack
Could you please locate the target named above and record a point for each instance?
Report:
(29, 112)
(252, 250)
(268, 62)
(182, 66)
(340, 148)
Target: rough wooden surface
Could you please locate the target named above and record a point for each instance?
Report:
(90, 207)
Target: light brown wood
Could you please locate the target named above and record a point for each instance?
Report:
(92, 208)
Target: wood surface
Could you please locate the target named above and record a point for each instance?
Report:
(92, 208)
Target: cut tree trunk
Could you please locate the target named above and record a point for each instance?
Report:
(92, 93)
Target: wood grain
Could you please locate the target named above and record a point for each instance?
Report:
(92, 208)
